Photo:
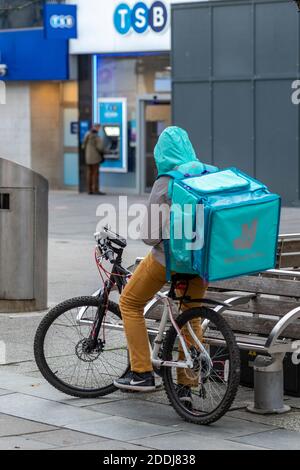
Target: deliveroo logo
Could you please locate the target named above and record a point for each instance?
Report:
(140, 18)
(248, 236)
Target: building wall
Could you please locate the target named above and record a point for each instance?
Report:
(234, 63)
(32, 126)
(15, 126)
(46, 132)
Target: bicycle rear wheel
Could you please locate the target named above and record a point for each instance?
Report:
(59, 349)
(204, 393)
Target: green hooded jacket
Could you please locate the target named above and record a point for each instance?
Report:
(173, 149)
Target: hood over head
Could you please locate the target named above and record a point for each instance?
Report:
(173, 149)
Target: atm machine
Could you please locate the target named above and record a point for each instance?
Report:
(112, 141)
(112, 115)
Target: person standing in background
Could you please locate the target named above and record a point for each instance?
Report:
(94, 155)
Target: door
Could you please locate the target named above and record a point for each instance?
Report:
(154, 115)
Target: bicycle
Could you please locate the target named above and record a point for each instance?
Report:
(80, 346)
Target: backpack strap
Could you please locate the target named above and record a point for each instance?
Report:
(175, 175)
(168, 259)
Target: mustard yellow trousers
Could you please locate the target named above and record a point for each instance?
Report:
(147, 280)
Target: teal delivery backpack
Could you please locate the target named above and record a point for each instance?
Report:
(223, 223)
(233, 218)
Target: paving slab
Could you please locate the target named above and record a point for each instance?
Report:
(45, 411)
(188, 441)
(22, 443)
(87, 402)
(226, 427)
(280, 439)
(108, 444)
(39, 387)
(5, 392)
(140, 410)
(14, 382)
(289, 420)
(163, 415)
(12, 426)
(64, 438)
(123, 429)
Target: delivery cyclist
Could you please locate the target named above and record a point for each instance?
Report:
(173, 149)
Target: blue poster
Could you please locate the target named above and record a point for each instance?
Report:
(112, 113)
(60, 21)
(84, 127)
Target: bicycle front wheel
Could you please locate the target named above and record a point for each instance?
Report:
(202, 394)
(60, 348)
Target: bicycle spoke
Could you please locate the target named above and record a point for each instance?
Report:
(201, 390)
(66, 357)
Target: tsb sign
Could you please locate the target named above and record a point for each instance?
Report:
(140, 17)
(62, 21)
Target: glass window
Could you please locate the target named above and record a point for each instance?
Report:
(130, 77)
(16, 14)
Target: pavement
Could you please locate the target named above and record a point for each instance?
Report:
(33, 415)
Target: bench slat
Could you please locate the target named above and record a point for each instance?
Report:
(289, 246)
(289, 260)
(260, 305)
(258, 325)
(260, 285)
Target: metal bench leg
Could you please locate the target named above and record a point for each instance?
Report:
(268, 385)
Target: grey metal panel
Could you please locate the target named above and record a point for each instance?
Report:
(271, 66)
(276, 38)
(17, 246)
(233, 125)
(192, 45)
(233, 41)
(23, 239)
(192, 111)
(277, 158)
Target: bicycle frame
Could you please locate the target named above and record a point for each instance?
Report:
(168, 314)
(114, 283)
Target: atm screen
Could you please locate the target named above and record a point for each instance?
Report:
(112, 131)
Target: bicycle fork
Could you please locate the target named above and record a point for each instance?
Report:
(168, 314)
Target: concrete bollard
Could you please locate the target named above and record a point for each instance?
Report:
(268, 385)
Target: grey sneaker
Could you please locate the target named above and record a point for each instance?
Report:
(134, 381)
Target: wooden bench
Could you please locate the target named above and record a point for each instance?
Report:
(288, 254)
(264, 316)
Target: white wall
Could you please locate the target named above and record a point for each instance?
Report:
(15, 127)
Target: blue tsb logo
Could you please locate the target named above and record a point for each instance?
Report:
(140, 17)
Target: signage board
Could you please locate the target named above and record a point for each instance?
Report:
(118, 26)
(60, 21)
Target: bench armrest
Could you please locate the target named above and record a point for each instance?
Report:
(271, 343)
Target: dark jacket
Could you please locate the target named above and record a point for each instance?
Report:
(93, 147)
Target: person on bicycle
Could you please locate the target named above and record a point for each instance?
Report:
(173, 149)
